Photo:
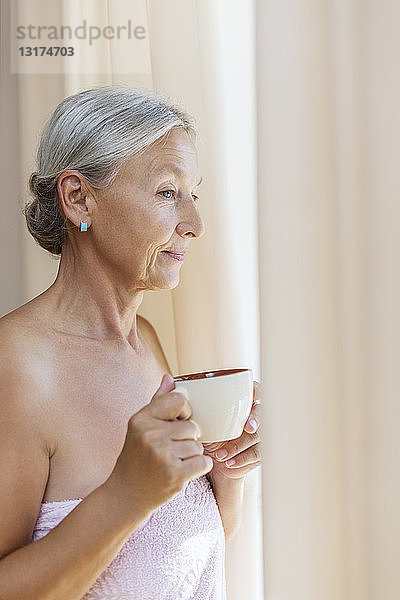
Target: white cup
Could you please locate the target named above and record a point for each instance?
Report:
(221, 401)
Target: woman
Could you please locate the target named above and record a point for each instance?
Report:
(105, 487)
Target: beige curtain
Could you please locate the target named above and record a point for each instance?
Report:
(329, 216)
(203, 55)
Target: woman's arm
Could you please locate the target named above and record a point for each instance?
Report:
(229, 496)
(66, 562)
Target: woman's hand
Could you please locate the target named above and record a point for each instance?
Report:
(161, 450)
(233, 459)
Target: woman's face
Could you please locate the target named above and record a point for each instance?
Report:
(150, 209)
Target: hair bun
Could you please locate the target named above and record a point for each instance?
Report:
(33, 180)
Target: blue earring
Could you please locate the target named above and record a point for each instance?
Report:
(83, 226)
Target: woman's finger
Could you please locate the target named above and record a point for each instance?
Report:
(240, 472)
(247, 457)
(254, 420)
(234, 447)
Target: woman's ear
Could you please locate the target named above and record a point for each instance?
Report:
(75, 198)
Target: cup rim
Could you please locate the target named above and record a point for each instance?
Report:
(209, 374)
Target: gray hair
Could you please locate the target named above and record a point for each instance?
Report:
(94, 132)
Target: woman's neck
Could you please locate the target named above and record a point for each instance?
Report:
(90, 302)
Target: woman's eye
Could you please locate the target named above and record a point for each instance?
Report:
(172, 194)
(168, 192)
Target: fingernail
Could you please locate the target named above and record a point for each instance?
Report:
(230, 462)
(221, 454)
(252, 424)
(168, 377)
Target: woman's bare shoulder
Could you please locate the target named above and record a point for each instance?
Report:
(23, 391)
(18, 378)
(150, 334)
(22, 354)
(19, 339)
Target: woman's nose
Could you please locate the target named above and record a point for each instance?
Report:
(190, 224)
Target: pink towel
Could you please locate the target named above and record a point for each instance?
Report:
(178, 553)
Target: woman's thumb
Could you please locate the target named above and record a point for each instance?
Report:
(167, 384)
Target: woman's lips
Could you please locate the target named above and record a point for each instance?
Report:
(180, 257)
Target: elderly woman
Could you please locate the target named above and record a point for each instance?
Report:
(106, 491)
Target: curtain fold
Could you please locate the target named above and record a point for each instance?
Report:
(10, 244)
(328, 88)
(303, 502)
